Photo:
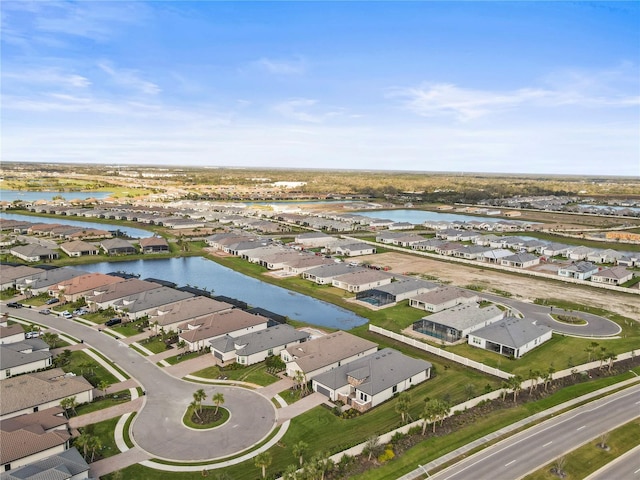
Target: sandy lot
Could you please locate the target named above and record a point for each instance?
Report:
(522, 288)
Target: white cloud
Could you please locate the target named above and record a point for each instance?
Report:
(569, 88)
(130, 79)
(52, 77)
(282, 67)
(304, 110)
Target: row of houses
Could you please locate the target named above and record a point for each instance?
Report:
(34, 252)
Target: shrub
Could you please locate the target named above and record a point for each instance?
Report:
(387, 455)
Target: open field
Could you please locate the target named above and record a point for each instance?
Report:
(521, 287)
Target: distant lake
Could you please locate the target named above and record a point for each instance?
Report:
(418, 217)
(202, 273)
(129, 231)
(609, 207)
(31, 196)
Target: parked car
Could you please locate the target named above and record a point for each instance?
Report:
(112, 322)
(51, 301)
(14, 305)
(34, 334)
(66, 314)
(80, 311)
(44, 311)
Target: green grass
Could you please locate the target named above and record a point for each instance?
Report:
(290, 396)
(129, 329)
(104, 402)
(253, 374)
(589, 457)
(156, 345)
(125, 433)
(223, 412)
(111, 364)
(140, 351)
(105, 432)
(82, 364)
(182, 357)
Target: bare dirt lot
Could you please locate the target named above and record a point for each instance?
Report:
(521, 287)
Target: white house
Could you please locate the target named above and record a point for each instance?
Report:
(511, 336)
(612, 276)
(372, 379)
(579, 270)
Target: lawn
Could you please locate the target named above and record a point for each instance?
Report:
(183, 357)
(322, 430)
(253, 374)
(129, 329)
(105, 432)
(99, 403)
(155, 344)
(83, 365)
(589, 457)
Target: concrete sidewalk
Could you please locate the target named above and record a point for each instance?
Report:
(106, 413)
(117, 462)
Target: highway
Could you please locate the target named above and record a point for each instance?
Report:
(533, 448)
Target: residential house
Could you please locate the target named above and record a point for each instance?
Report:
(520, 260)
(33, 392)
(68, 465)
(117, 246)
(578, 270)
(355, 249)
(256, 346)
(11, 333)
(11, 275)
(77, 287)
(394, 292)
(170, 316)
(612, 276)
(306, 262)
(34, 253)
(510, 336)
(605, 256)
(313, 239)
(79, 248)
(325, 274)
(325, 353)
(154, 245)
(27, 355)
(197, 333)
(373, 379)
(31, 438)
(441, 298)
(454, 324)
(555, 249)
(360, 281)
(495, 256)
(140, 304)
(471, 252)
(578, 253)
(105, 296)
(45, 280)
(631, 260)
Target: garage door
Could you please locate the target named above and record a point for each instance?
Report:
(323, 390)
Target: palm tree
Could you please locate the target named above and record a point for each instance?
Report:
(444, 409)
(298, 450)
(218, 399)
(68, 404)
(182, 345)
(94, 444)
(262, 461)
(290, 473)
(372, 446)
(402, 406)
(429, 415)
(323, 463)
(612, 357)
(199, 396)
(103, 385)
(194, 406)
(548, 377)
(602, 356)
(515, 384)
(82, 442)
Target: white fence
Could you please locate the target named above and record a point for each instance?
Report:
(440, 352)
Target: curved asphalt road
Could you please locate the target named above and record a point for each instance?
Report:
(596, 326)
(158, 428)
(527, 451)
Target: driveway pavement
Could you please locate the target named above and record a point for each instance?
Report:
(158, 428)
(596, 326)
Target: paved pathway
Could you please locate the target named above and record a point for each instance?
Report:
(182, 369)
(118, 462)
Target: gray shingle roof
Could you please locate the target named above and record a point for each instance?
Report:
(268, 338)
(512, 332)
(378, 371)
(62, 466)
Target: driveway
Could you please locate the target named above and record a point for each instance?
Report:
(158, 428)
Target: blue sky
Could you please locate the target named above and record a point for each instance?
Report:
(519, 87)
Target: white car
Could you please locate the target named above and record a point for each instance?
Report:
(66, 314)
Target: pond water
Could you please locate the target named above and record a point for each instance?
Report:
(609, 207)
(418, 217)
(128, 231)
(31, 196)
(203, 273)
